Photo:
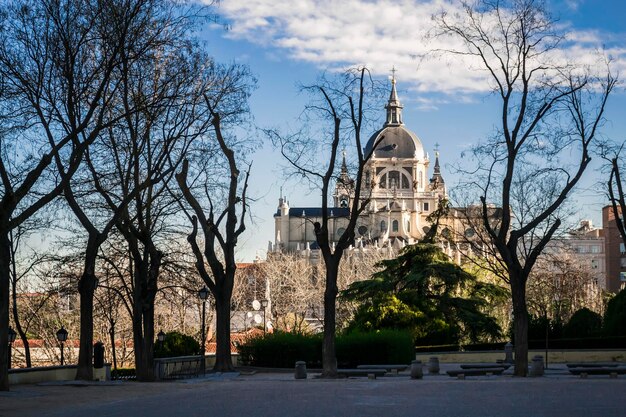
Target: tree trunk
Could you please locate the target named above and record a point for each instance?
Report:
(329, 356)
(520, 325)
(112, 337)
(223, 358)
(86, 289)
(5, 262)
(148, 341)
(18, 326)
(138, 348)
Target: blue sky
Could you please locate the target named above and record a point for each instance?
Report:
(290, 42)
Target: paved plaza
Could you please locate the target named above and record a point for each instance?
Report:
(278, 394)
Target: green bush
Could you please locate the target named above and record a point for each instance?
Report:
(282, 349)
(371, 348)
(615, 315)
(176, 344)
(123, 374)
(583, 323)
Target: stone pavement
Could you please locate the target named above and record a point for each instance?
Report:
(278, 394)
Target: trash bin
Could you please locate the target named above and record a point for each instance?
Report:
(98, 355)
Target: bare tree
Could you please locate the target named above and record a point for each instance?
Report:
(549, 110)
(161, 45)
(223, 223)
(55, 92)
(347, 100)
(616, 188)
(25, 261)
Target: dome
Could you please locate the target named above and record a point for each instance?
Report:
(398, 142)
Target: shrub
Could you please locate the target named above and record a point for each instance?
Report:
(176, 344)
(123, 374)
(282, 349)
(381, 347)
(615, 315)
(583, 323)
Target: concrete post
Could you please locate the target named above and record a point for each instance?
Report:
(433, 365)
(300, 372)
(416, 370)
(536, 368)
(508, 353)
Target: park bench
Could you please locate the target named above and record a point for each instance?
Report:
(485, 365)
(612, 371)
(389, 368)
(593, 365)
(361, 372)
(462, 373)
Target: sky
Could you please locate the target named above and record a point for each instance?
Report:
(288, 43)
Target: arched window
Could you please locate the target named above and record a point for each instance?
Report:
(383, 226)
(383, 181)
(394, 226)
(408, 226)
(405, 182)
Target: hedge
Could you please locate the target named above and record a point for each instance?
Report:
(282, 350)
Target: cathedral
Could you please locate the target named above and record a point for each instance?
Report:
(396, 181)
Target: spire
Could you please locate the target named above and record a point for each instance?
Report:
(344, 177)
(437, 179)
(394, 108)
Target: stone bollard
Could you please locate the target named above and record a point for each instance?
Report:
(433, 365)
(300, 370)
(508, 353)
(416, 370)
(536, 368)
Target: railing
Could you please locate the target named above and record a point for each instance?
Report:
(177, 367)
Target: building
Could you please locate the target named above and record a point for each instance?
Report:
(401, 196)
(587, 244)
(614, 250)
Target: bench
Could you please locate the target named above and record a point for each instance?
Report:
(593, 365)
(485, 366)
(388, 368)
(462, 373)
(361, 372)
(612, 371)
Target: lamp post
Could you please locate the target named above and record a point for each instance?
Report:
(62, 337)
(264, 305)
(203, 294)
(11, 336)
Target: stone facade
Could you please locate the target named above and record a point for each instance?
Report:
(401, 196)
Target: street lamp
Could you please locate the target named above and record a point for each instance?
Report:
(203, 294)
(264, 305)
(161, 336)
(11, 336)
(62, 337)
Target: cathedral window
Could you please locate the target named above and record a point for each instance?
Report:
(405, 182)
(383, 226)
(394, 179)
(408, 227)
(383, 181)
(394, 226)
(426, 207)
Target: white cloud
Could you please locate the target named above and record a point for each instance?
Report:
(380, 33)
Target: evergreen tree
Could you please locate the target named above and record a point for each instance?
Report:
(424, 291)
